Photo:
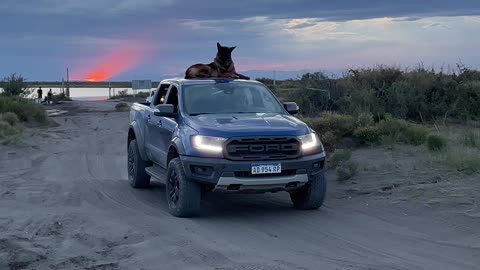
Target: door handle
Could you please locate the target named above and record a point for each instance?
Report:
(159, 122)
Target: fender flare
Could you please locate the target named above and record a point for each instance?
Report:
(178, 145)
(139, 137)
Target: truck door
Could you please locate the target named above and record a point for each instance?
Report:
(164, 128)
(152, 141)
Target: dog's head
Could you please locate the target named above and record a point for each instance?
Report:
(225, 53)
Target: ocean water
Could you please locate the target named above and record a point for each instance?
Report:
(89, 93)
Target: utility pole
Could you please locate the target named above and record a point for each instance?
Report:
(68, 85)
(274, 81)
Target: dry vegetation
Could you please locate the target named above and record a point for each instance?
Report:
(15, 109)
(437, 111)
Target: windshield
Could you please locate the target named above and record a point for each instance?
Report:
(229, 98)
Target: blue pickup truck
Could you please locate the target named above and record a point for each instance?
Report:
(222, 135)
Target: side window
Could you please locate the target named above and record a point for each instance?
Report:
(268, 101)
(162, 91)
(173, 98)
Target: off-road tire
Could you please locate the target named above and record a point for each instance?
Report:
(137, 176)
(311, 195)
(183, 196)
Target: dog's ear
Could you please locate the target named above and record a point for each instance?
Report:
(218, 46)
(232, 48)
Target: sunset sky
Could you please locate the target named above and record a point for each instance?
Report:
(153, 39)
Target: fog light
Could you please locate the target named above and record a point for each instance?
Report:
(202, 170)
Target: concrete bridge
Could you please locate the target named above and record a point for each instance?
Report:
(83, 84)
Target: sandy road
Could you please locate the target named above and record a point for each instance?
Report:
(65, 204)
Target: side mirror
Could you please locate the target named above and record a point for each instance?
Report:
(291, 107)
(165, 110)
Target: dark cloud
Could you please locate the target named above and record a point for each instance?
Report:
(41, 37)
(221, 9)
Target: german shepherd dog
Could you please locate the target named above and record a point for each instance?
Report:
(221, 67)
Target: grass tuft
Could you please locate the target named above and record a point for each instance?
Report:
(466, 161)
(10, 128)
(346, 170)
(339, 157)
(436, 143)
(122, 107)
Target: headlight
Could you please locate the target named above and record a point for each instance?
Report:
(310, 143)
(208, 144)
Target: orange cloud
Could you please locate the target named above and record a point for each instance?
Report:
(121, 59)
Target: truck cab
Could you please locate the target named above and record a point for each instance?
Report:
(222, 135)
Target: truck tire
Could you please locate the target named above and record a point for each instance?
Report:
(183, 196)
(311, 195)
(137, 176)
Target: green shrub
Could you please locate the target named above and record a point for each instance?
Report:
(9, 133)
(368, 134)
(462, 160)
(10, 118)
(436, 143)
(391, 127)
(340, 124)
(25, 109)
(414, 134)
(346, 170)
(122, 106)
(419, 93)
(329, 140)
(123, 93)
(339, 157)
(14, 85)
(331, 127)
(401, 131)
(364, 120)
(60, 97)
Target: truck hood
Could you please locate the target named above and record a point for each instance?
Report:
(247, 124)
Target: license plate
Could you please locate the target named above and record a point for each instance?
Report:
(266, 168)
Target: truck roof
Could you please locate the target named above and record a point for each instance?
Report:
(205, 80)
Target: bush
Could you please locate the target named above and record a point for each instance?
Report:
(419, 94)
(60, 97)
(122, 106)
(402, 131)
(329, 140)
(25, 109)
(340, 124)
(346, 171)
(414, 134)
(339, 157)
(10, 128)
(123, 94)
(14, 85)
(364, 120)
(467, 162)
(10, 118)
(436, 143)
(368, 134)
(331, 127)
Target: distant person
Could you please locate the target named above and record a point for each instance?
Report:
(49, 94)
(39, 94)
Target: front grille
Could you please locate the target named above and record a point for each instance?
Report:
(262, 148)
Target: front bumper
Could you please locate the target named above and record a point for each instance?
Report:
(228, 175)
